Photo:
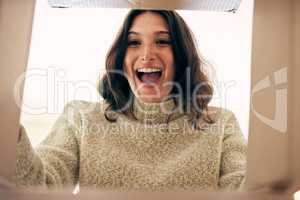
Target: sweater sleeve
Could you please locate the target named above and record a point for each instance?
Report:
(234, 155)
(55, 161)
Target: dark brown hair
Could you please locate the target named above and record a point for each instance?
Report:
(115, 88)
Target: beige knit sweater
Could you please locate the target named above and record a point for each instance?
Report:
(144, 154)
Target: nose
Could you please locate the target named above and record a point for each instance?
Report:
(148, 53)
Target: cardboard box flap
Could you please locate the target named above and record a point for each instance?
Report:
(15, 33)
(205, 5)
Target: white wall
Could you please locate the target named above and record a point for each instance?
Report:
(68, 49)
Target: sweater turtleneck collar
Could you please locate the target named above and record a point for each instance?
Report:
(154, 113)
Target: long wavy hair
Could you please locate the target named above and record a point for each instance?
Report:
(114, 87)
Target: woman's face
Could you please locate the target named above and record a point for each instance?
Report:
(149, 61)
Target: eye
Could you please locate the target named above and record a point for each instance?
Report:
(133, 43)
(163, 42)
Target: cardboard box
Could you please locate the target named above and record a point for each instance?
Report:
(273, 148)
(273, 140)
(15, 33)
(207, 5)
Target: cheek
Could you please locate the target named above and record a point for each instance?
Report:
(170, 73)
(128, 68)
(129, 60)
(170, 66)
(127, 64)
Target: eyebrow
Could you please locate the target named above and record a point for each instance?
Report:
(156, 32)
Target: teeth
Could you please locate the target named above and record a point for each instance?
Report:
(149, 69)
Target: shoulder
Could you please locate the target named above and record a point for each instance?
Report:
(85, 107)
(81, 105)
(219, 114)
(221, 119)
(226, 120)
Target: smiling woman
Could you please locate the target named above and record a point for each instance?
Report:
(160, 61)
(149, 61)
(153, 131)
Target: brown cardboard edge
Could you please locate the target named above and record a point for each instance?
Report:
(271, 52)
(16, 19)
(281, 175)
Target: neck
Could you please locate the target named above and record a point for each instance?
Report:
(154, 112)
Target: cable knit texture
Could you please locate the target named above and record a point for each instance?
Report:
(153, 153)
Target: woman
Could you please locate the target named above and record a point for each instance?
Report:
(154, 131)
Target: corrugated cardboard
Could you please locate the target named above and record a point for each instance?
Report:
(207, 5)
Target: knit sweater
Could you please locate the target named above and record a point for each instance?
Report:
(145, 154)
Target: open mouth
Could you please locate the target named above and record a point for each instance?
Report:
(149, 75)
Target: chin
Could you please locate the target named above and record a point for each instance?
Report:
(148, 99)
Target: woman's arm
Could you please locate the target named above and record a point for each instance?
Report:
(55, 162)
(234, 156)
